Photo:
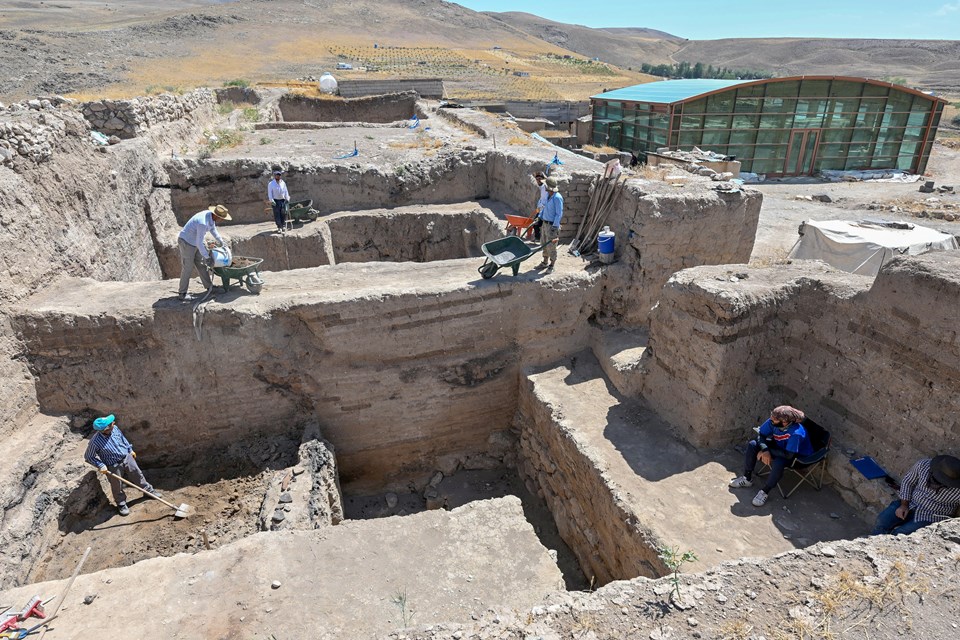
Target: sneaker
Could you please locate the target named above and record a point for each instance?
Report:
(542, 265)
(742, 481)
(760, 499)
(551, 266)
(187, 297)
(123, 509)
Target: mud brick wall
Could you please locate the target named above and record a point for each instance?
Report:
(388, 359)
(242, 185)
(383, 108)
(658, 234)
(424, 87)
(875, 363)
(510, 179)
(606, 538)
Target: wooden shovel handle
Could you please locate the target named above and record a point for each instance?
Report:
(138, 487)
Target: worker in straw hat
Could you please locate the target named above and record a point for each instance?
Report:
(930, 492)
(110, 452)
(551, 214)
(193, 250)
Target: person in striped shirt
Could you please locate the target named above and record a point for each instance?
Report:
(110, 451)
(930, 492)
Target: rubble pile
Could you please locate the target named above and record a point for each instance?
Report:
(692, 162)
(130, 118)
(30, 129)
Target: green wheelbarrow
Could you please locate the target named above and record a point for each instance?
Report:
(246, 271)
(505, 252)
(302, 210)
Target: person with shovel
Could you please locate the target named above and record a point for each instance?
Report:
(111, 453)
(551, 214)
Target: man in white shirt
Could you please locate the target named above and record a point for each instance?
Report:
(278, 196)
(193, 249)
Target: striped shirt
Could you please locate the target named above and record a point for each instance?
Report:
(107, 450)
(927, 504)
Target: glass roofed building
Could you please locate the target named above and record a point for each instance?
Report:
(778, 126)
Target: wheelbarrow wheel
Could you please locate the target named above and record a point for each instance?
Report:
(254, 283)
(488, 270)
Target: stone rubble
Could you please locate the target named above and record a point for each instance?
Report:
(131, 118)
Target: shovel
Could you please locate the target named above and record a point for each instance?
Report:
(181, 512)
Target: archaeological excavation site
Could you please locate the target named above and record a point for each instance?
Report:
(378, 438)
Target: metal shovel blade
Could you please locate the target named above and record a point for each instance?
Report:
(182, 511)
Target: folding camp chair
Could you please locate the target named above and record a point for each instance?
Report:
(809, 469)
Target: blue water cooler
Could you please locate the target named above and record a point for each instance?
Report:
(605, 243)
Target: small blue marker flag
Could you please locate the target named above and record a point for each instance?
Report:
(556, 159)
(415, 122)
(352, 154)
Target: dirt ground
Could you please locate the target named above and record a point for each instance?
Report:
(466, 486)
(786, 203)
(224, 491)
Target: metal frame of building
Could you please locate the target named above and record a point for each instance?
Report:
(777, 126)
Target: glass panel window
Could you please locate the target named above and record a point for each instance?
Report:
(773, 136)
(776, 121)
(716, 137)
(720, 102)
(716, 122)
(600, 110)
(747, 105)
(697, 106)
(767, 166)
(745, 122)
(691, 122)
(690, 138)
(917, 119)
(837, 135)
(814, 88)
(905, 163)
(784, 89)
(614, 110)
(753, 91)
(874, 90)
(769, 151)
(842, 88)
(743, 136)
(901, 101)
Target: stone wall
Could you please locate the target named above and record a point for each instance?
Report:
(382, 108)
(399, 363)
(606, 538)
(873, 362)
(32, 129)
(557, 112)
(131, 118)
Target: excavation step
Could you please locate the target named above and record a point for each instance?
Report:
(360, 579)
(620, 353)
(621, 486)
(400, 362)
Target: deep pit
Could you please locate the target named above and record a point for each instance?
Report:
(379, 411)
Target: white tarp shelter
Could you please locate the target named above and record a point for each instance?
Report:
(863, 247)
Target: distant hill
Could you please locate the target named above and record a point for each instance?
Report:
(931, 64)
(107, 48)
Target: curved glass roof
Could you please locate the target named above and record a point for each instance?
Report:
(668, 91)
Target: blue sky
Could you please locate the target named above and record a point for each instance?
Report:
(712, 19)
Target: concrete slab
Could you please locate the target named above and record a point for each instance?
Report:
(674, 491)
(339, 582)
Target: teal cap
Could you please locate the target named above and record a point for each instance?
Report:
(102, 423)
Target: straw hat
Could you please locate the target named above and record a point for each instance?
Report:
(220, 211)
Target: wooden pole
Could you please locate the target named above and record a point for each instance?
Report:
(65, 591)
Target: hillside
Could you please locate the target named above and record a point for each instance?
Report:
(926, 63)
(77, 47)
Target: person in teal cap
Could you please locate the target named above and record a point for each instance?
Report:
(109, 450)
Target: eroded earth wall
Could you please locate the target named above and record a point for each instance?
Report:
(80, 212)
(382, 108)
(874, 363)
(398, 363)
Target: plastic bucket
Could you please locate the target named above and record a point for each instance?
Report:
(605, 241)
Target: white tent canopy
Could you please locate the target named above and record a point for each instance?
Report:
(864, 247)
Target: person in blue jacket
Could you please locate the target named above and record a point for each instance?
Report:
(779, 440)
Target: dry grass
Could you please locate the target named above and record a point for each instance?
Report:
(422, 141)
(520, 141)
(658, 173)
(850, 604)
(595, 149)
(735, 630)
(775, 257)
